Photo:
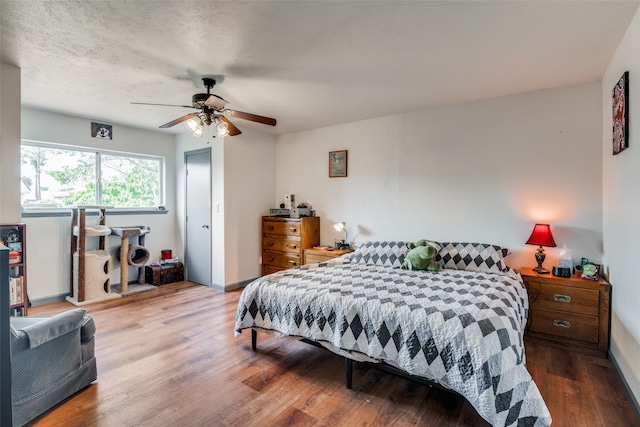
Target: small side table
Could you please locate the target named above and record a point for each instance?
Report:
(315, 255)
(568, 312)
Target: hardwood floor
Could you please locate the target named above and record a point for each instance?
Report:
(169, 358)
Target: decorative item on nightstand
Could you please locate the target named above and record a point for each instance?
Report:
(344, 243)
(541, 236)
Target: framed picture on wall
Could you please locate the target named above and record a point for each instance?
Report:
(620, 106)
(102, 131)
(338, 164)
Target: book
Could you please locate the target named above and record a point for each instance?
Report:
(15, 289)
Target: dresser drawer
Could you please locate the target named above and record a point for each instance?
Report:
(564, 298)
(280, 244)
(281, 259)
(562, 324)
(281, 228)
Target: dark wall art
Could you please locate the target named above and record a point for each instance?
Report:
(102, 131)
(621, 114)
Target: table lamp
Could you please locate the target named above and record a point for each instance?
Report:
(541, 236)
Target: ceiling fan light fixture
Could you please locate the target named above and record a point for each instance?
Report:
(221, 127)
(195, 126)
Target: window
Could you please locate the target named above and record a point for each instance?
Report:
(57, 176)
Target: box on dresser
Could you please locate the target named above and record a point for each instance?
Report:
(570, 313)
(285, 239)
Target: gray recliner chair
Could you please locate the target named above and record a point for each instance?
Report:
(51, 359)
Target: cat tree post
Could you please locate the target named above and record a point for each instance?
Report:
(124, 263)
(136, 255)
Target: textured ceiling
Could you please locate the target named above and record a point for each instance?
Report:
(309, 64)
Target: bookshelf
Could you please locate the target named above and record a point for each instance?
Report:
(14, 236)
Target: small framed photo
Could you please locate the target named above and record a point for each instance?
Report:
(102, 131)
(338, 164)
(591, 271)
(620, 106)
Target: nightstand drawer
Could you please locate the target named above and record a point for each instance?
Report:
(281, 259)
(280, 244)
(562, 324)
(564, 298)
(316, 258)
(317, 255)
(281, 228)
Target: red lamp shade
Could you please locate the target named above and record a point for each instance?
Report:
(541, 236)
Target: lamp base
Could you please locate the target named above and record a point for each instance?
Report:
(342, 244)
(540, 256)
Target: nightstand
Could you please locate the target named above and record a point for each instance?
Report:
(569, 313)
(314, 255)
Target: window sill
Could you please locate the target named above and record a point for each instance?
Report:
(41, 213)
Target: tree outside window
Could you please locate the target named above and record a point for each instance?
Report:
(61, 177)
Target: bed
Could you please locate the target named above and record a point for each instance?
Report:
(461, 327)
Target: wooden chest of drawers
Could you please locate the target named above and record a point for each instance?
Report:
(285, 239)
(569, 313)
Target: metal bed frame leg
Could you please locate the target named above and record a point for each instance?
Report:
(254, 339)
(348, 372)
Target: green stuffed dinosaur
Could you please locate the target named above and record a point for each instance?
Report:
(422, 256)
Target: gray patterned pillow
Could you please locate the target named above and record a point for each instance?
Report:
(473, 257)
(388, 254)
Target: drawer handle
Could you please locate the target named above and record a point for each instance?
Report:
(270, 244)
(270, 259)
(271, 227)
(562, 323)
(293, 229)
(561, 298)
(292, 262)
(292, 246)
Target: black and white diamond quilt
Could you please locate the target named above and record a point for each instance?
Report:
(462, 329)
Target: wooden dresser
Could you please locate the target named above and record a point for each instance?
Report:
(569, 313)
(285, 239)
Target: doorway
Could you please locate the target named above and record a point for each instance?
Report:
(198, 216)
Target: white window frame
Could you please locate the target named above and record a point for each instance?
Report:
(98, 152)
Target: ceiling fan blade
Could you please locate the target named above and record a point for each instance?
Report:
(233, 130)
(178, 120)
(163, 105)
(215, 102)
(253, 117)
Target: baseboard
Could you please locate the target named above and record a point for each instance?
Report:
(217, 287)
(48, 300)
(61, 297)
(625, 385)
(232, 286)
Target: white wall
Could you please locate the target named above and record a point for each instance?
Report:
(9, 144)
(621, 211)
(482, 171)
(249, 189)
(48, 238)
(243, 183)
